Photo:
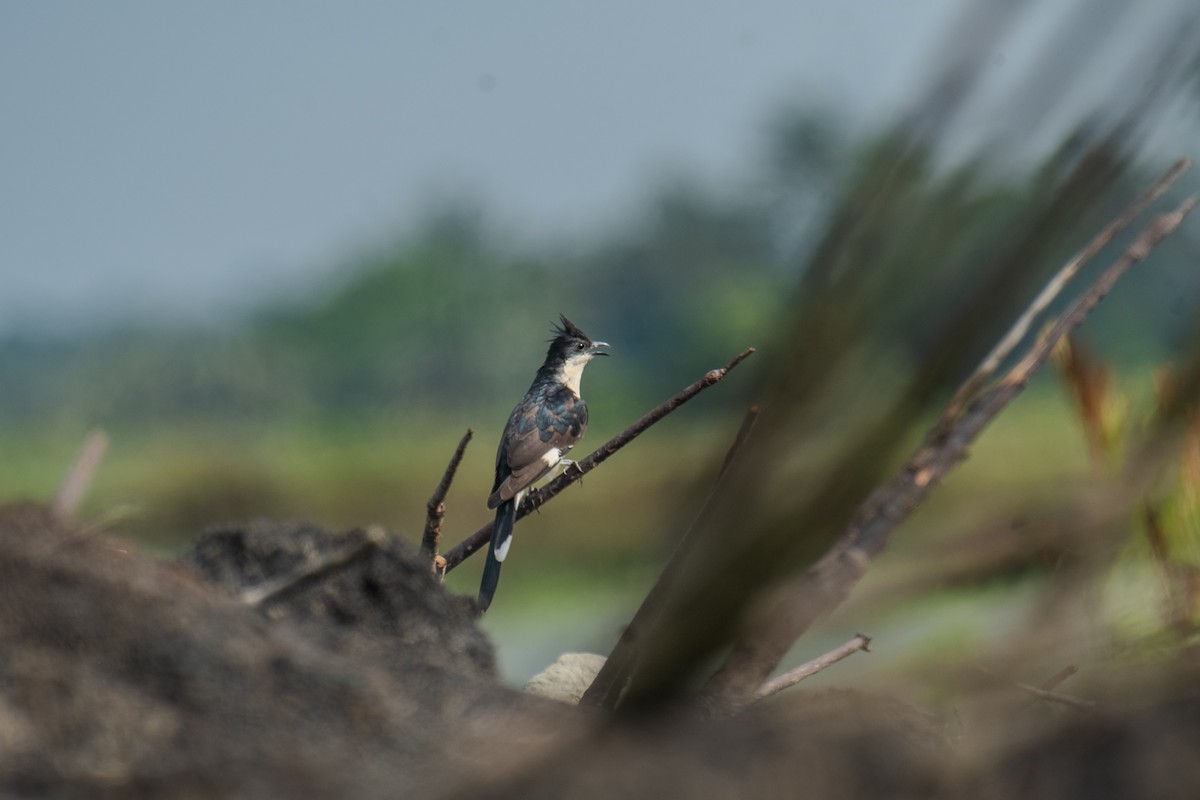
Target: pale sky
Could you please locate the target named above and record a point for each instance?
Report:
(186, 158)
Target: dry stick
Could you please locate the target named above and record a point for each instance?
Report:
(435, 509)
(1058, 677)
(1162, 226)
(1053, 681)
(828, 582)
(80, 474)
(809, 668)
(457, 554)
(1055, 697)
(269, 590)
(610, 680)
(1044, 693)
(1017, 332)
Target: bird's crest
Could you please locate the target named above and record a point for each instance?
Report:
(568, 329)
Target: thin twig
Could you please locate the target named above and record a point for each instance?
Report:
(1162, 226)
(825, 585)
(611, 678)
(1044, 693)
(809, 668)
(435, 509)
(1050, 683)
(1020, 328)
(80, 474)
(1058, 677)
(1055, 697)
(457, 554)
(271, 589)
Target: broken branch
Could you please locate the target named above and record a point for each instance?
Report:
(435, 509)
(810, 668)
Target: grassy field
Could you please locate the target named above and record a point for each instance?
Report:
(580, 567)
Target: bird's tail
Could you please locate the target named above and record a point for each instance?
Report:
(506, 517)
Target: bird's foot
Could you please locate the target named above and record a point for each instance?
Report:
(531, 496)
(567, 464)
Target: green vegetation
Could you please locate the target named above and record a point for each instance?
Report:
(343, 404)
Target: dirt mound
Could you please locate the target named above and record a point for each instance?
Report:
(358, 592)
(130, 678)
(279, 660)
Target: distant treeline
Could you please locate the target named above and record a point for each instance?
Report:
(451, 317)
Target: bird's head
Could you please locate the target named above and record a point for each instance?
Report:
(570, 350)
(570, 344)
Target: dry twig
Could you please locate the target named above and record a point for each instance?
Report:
(435, 509)
(1058, 677)
(1056, 697)
(1050, 683)
(810, 668)
(80, 474)
(1044, 693)
(269, 590)
(457, 554)
(987, 368)
(827, 583)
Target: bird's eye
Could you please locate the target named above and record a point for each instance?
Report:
(579, 345)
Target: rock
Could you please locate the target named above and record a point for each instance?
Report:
(567, 678)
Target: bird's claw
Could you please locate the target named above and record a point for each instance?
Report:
(567, 468)
(531, 495)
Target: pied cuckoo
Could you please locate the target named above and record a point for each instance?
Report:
(542, 429)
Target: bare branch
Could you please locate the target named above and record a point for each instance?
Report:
(269, 590)
(1159, 228)
(1017, 332)
(809, 668)
(828, 582)
(610, 680)
(435, 509)
(457, 554)
(80, 474)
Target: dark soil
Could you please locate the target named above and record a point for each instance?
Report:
(243, 670)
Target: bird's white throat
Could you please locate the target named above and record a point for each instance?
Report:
(572, 372)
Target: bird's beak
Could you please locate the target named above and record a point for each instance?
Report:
(594, 349)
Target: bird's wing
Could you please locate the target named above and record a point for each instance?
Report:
(539, 433)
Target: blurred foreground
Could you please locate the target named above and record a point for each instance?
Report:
(128, 678)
